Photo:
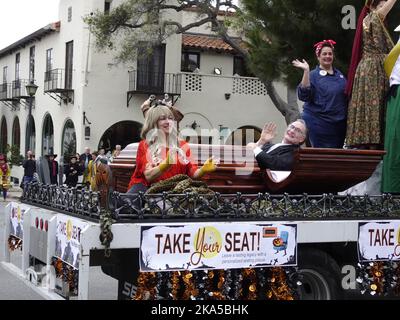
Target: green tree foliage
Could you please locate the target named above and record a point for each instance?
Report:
(13, 155)
(147, 23)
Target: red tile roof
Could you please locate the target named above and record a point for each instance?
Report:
(206, 42)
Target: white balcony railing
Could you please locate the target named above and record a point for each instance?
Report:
(195, 82)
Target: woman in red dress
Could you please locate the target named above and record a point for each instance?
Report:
(161, 154)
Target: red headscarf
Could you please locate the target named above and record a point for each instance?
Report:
(357, 47)
(318, 46)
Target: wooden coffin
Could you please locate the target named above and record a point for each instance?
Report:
(320, 171)
(315, 170)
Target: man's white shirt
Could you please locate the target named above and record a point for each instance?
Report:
(257, 150)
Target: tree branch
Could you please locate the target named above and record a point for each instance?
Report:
(290, 112)
(235, 45)
(133, 26)
(176, 8)
(188, 4)
(182, 29)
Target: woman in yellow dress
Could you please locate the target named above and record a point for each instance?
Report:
(5, 174)
(91, 174)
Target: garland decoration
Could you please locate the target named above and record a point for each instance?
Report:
(246, 284)
(190, 288)
(175, 285)
(14, 243)
(249, 291)
(215, 284)
(147, 282)
(66, 273)
(379, 278)
(377, 274)
(237, 280)
(106, 236)
(227, 284)
(278, 287)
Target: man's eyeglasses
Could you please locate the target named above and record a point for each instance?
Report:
(295, 129)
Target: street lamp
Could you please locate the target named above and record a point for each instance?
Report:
(31, 90)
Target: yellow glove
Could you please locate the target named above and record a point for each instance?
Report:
(208, 166)
(166, 163)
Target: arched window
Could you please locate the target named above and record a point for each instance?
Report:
(4, 138)
(48, 135)
(30, 138)
(16, 133)
(243, 135)
(122, 133)
(68, 142)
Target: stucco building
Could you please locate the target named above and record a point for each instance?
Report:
(85, 99)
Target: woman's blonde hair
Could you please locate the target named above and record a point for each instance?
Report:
(151, 133)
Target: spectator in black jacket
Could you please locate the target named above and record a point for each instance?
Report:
(279, 156)
(29, 168)
(72, 172)
(53, 167)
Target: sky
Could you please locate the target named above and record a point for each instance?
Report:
(19, 18)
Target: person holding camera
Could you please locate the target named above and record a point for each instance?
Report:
(29, 166)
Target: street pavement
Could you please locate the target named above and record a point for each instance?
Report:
(14, 287)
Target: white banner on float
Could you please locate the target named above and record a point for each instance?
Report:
(17, 214)
(217, 246)
(379, 241)
(68, 239)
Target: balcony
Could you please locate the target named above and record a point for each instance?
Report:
(13, 94)
(234, 85)
(58, 85)
(19, 89)
(6, 92)
(154, 83)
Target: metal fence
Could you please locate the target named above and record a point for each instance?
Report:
(79, 202)
(255, 207)
(190, 206)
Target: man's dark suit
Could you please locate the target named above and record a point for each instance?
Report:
(280, 159)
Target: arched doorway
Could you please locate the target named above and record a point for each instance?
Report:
(244, 135)
(68, 143)
(123, 133)
(4, 137)
(16, 133)
(30, 141)
(47, 135)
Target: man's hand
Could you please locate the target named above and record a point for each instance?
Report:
(268, 133)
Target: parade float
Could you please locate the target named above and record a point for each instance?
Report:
(252, 234)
